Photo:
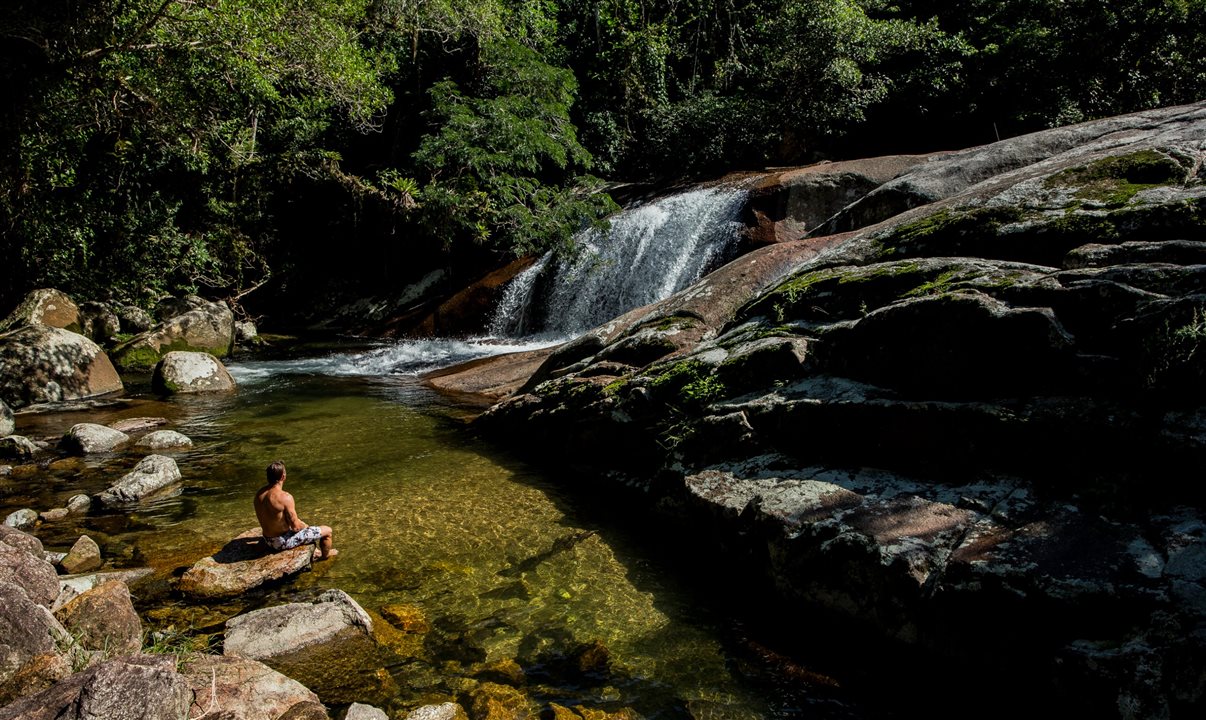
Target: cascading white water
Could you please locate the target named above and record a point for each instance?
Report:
(512, 316)
(648, 253)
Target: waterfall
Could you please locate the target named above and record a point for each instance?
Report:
(646, 254)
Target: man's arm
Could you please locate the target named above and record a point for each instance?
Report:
(292, 521)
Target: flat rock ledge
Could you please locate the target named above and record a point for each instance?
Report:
(243, 564)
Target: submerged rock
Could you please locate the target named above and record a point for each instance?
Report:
(154, 475)
(40, 364)
(441, 711)
(191, 372)
(244, 564)
(360, 711)
(137, 424)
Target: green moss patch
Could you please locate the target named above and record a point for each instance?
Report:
(1113, 181)
(688, 382)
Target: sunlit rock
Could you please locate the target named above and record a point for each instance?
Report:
(140, 687)
(154, 475)
(84, 556)
(27, 645)
(87, 438)
(23, 519)
(103, 619)
(328, 645)
(45, 306)
(72, 586)
(243, 564)
(360, 711)
(191, 372)
(207, 329)
(41, 364)
(243, 688)
(163, 440)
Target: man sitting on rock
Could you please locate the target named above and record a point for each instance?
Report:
(283, 529)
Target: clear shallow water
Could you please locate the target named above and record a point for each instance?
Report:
(500, 560)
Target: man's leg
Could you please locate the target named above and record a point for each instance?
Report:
(324, 542)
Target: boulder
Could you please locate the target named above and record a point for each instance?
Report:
(245, 331)
(7, 422)
(72, 586)
(87, 438)
(287, 629)
(38, 673)
(140, 687)
(27, 643)
(207, 329)
(242, 688)
(137, 424)
(98, 322)
(163, 440)
(169, 307)
(14, 537)
(53, 515)
(79, 504)
(30, 572)
(244, 564)
(103, 619)
(191, 372)
(41, 364)
(154, 475)
(360, 711)
(487, 380)
(46, 306)
(133, 319)
(328, 645)
(16, 447)
(84, 556)
(23, 519)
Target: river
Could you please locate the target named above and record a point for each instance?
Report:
(506, 562)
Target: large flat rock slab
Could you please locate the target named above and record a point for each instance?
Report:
(243, 564)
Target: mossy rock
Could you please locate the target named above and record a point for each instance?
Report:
(1114, 181)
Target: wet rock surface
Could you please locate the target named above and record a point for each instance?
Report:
(163, 440)
(983, 399)
(153, 476)
(241, 565)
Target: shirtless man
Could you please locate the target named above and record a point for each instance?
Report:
(283, 529)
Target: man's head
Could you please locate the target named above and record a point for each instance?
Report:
(275, 472)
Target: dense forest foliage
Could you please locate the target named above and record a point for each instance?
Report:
(150, 145)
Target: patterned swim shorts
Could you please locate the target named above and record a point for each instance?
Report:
(308, 534)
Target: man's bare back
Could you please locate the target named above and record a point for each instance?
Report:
(281, 526)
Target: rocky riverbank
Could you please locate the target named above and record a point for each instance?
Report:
(964, 410)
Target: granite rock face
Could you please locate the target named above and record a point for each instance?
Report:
(7, 422)
(104, 619)
(29, 572)
(84, 556)
(41, 364)
(975, 392)
(242, 688)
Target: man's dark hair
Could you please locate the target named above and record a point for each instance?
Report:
(275, 472)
